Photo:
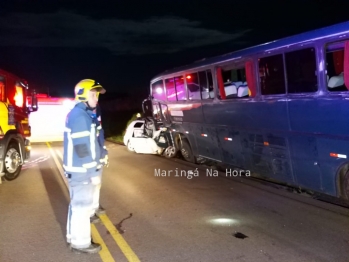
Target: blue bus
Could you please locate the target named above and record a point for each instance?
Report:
(280, 110)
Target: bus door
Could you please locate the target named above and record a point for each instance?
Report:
(308, 114)
(271, 114)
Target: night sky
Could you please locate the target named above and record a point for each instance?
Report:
(54, 44)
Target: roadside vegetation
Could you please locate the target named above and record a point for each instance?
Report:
(118, 110)
(115, 127)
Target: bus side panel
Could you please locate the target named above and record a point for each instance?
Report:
(268, 155)
(256, 115)
(280, 157)
(207, 142)
(305, 157)
(231, 147)
(316, 115)
(313, 165)
(257, 155)
(192, 113)
(270, 118)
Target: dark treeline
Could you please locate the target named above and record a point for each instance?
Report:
(117, 110)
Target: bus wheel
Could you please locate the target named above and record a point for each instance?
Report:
(12, 163)
(170, 152)
(345, 186)
(186, 151)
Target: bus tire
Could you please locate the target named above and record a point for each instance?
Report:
(186, 151)
(12, 162)
(345, 185)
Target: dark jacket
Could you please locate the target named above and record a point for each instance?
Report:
(82, 152)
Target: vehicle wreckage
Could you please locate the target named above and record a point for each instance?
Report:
(149, 134)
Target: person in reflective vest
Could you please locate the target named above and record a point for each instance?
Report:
(81, 163)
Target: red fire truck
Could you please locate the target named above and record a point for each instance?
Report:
(16, 103)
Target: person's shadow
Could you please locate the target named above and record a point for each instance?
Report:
(57, 193)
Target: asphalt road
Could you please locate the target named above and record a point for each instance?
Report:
(165, 217)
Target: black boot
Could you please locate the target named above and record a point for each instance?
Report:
(94, 219)
(100, 211)
(91, 249)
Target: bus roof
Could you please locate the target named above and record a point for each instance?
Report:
(329, 31)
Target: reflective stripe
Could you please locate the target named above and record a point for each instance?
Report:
(80, 134)
(66, 129)
(70, 148)
(74, 169)
(89, 165)
(92, 141)
(99, 127)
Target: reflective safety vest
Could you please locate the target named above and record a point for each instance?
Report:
(81, 149)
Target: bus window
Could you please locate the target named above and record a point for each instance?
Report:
(206, 84)
(2, 88)
(205, 94)
(235, 84)
(157, 90)
(175, 89)
(210, 84)
(271, 73)
(335, 67)
(180, 89)
(170, 89)
(301, 71)
(193, 86)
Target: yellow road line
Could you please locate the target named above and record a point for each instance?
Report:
(59, 154)
(120, 241)
(104, 253)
